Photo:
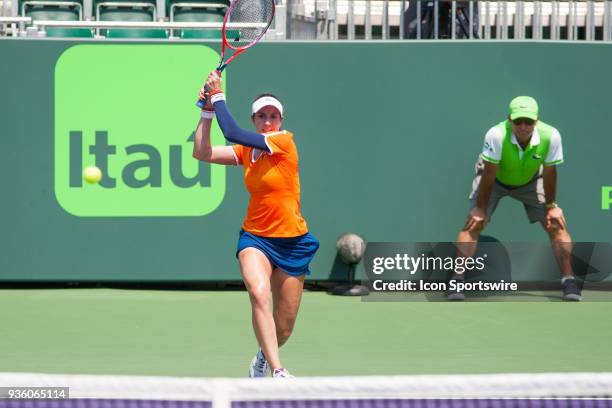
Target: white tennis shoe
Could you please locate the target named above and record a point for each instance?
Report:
(259, 366)
(282, 373)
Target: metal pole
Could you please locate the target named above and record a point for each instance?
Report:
(402, 22)
(574, 6)
(316, 21)
(590, 21)
(505, 21)
(368, 21)
(385, 20)
(518, 21)
(570, 20)
(290, 6)
(329, 21)
(607, 20)
(566, 20)
(471, 21)
(575, 21)
(553, 20)
(487, 32)
(350, 23)
(498, 17)
(558, 27)
(418, 19)
(523, 21)
(486, 21)
(436, 19)
(453, 18)
(608, 6)
(536, 22)
(336, 27)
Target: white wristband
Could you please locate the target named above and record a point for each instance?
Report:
(217, 97)
(208, 114)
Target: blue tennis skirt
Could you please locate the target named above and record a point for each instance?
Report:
(292, 255)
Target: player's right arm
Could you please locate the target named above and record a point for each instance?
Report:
(478, 215)
(491, 155)
(203, 150)
(486, 186)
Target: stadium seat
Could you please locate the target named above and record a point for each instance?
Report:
(128, 11)
(197, 11)
(56, 10)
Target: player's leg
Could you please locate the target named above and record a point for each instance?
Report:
(256, 272)
(561, 242)
(562, 247)
(286, 294)
(533, 198)
(468, 237)
(467, 241)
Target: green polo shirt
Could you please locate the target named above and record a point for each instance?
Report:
(518, 167)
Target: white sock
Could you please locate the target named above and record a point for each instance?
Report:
(566, 278)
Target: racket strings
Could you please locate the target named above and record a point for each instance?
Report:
(258, 12)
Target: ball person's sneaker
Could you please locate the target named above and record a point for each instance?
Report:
(259, 365)
(281, 373)
(454, 294)
(571, 291)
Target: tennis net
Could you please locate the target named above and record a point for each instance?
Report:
(571, 390)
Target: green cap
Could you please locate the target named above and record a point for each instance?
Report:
(523, 107)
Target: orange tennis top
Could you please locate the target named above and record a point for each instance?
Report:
(273, 181)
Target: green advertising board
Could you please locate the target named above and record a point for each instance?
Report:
(388, 133)
(140, 139)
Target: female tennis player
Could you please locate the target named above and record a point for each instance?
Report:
(274, 247)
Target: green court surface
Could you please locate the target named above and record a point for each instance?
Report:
(208, 334)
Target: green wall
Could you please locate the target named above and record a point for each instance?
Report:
(388, 133)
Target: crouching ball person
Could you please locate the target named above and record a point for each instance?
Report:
(274, 246)
(519, 160)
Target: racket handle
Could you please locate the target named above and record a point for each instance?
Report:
(202, 102)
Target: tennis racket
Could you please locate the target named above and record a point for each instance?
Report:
(244, 24)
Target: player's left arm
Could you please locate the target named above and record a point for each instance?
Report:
(554, 214)
(203, 150)
(228, 125)
(549, 175)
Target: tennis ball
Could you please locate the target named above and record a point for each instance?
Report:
(92, 174)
